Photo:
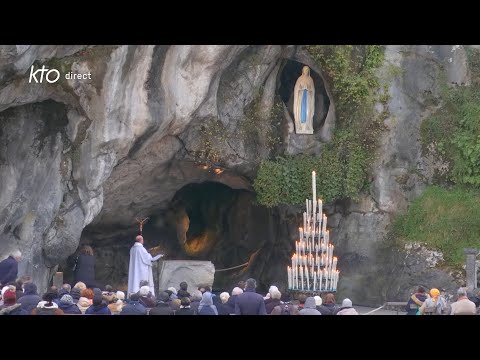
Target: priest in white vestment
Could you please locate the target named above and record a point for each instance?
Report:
(140, 267)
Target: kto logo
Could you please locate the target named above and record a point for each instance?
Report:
(51, 78)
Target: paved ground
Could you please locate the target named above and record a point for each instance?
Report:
(362, 310)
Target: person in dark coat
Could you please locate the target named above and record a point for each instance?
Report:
(250, 303)
(9, 268)
(30, 298)
(183, 290)
(10, 307)
(416, 301)
(99, 307)
(163, 305)
(145, 299)
(75, 293)
(185, 308)
(222, 305)
(67, 306)
(196, 298)
(275, 297)
(232, 300)
(19, 288)
(85, 267)
(329, 305)
(133, 306)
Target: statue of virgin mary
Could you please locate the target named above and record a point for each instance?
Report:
(304, 102)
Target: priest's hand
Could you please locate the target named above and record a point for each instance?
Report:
(157, 257)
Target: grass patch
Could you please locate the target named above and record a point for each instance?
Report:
(446, 220)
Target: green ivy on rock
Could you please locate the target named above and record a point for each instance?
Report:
(452, 134)
(341, 170)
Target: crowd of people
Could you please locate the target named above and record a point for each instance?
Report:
(435, 303)
(21, 298)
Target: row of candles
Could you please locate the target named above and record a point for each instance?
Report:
(301, 278)
(314, 268)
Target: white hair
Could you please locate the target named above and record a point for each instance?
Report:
(224, 297)
(276, 294)
(173, 290)
(318, 300)
(144, 290)
(120, 295)
(237, 291)
(273, 287)
(16, 254)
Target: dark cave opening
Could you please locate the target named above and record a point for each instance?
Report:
(203, 221)
(287, 78)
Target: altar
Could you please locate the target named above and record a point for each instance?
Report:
(194, 272)
(314, 268)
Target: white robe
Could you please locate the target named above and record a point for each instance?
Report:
(140, 268)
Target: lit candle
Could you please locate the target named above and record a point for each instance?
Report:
(296, 276)
(306, 275)
(301, 276)
(324, 223)
(304, 222)
(289, 277)
(320, 276)
(320, 207)
(314, 184)
(314, 280)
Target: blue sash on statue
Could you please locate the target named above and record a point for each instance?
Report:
(303, 111)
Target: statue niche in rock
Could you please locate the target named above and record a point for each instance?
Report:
(304, 102)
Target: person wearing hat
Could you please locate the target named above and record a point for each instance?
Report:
(67, 305)
(347, 308)
(434, 305)
(318, 305)
(10, 307)
(310, 307)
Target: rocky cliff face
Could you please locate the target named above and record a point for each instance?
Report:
(90, 156)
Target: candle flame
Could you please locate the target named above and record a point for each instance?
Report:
(204, 167)
(218, 171)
